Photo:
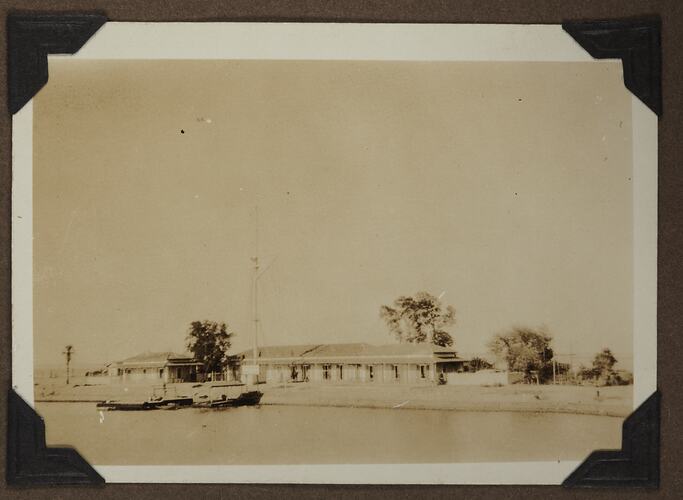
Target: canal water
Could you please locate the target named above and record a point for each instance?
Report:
(317, 435)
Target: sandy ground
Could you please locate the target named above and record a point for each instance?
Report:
(612, 401)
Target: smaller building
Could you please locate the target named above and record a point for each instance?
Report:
(151, 367)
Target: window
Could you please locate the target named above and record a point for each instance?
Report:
(326, 372)
(340, 372)
(396, 372)
(423, 371)
(371, 372)
(161, 373)
(144, 370)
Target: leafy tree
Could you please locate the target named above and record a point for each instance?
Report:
(620, 377)
(420, 318)
(209, 342)
(586, 373)
(525, 350)
(603, 363)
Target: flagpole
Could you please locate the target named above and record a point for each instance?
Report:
(255, 310)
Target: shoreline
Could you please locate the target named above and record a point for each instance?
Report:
(578, 400)
(473, 409)
(380, 406)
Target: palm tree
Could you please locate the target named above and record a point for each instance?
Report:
(68, 351)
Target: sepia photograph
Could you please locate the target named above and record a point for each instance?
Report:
(271, 261)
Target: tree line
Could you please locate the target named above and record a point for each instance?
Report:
(424, 318)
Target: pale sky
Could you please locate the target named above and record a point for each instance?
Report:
(504, 186)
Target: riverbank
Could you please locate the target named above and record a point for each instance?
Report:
(586, 400)
(609, 401)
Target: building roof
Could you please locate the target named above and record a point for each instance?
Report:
(157, 359)
(352, 353)
(281, 351)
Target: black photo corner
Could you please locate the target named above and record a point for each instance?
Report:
(32, 36)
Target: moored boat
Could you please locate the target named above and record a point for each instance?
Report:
(155, 402)
(124, 405)
(145, 405)
(249, 398)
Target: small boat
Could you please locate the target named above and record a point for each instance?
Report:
(240, 396)
(174, 402)
(145, 405)
(153, 403)
(249, 398)
(125, 406)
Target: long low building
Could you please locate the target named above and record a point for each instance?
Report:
(160, 367)
(358, 362)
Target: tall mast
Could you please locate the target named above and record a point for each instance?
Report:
(258, 272)
(255, 306)
(255, 285)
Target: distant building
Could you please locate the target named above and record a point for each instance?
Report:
(385, 364)
(160, 367)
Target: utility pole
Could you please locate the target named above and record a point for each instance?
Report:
(68, 351)
(254, 370)
(254, 259)
(571, 358)
(255, 305)
(258, 272)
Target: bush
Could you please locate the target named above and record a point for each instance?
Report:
(619, 378)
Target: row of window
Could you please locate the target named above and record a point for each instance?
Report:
(327, 371)
(128, 371)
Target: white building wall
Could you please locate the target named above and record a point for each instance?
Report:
(142, 375)
(360, 371)
(356, 373)
(98, 379)
(376, 374)
(316, 373)
(389, 374)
